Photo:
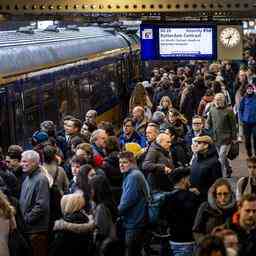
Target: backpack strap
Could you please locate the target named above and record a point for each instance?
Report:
(56, 175)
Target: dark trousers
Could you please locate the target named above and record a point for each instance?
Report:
(134, 241)
(249, 134)
(39, 243)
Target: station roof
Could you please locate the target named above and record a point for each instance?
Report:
(131, 8)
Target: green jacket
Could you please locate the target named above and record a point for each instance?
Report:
(222, 125)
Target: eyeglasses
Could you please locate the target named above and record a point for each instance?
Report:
(196, 123)
(124, 162)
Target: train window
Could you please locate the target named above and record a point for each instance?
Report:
(85, 90)
(62, 100)
(73, 98)
(4, 120)
(30, 97)
(49, 102)
(32, 121)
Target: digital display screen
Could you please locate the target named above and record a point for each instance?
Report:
(178, 41)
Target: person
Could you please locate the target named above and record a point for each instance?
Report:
(58, 174)
(140, 97)
(230, 239)
(179, 215)
(158, 163)
(243, 223)
(198, 129)
(221, 121)
(247, 114)
(38, 141)
(247, 185)
(177, 121)
(211, 246)
(129, 134)
(7, 223)
(205, 103)
(34, 203)
(105, 212)
(133, 204)
(98, 141)
(76, 163)
(139, 119)
(12, 159)
(165, 105)
(205, 166)
(221, 204)
(73, 232)
(90, 120)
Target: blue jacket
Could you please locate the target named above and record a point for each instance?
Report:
(247, 109)
(136, 137)
(133, 203)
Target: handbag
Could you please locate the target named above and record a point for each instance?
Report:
(233, 151)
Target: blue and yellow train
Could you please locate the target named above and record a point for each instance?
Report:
(45, 75)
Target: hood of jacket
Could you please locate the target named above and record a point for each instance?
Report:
(213, 204)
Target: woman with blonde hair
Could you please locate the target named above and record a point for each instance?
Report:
(73, 232)
(139, 97)
(165, 105)
(7, 223)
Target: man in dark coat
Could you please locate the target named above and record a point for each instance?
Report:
(158, 163)
(205, 167)
(180, 207)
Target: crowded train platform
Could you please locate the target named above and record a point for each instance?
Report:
(164, 166)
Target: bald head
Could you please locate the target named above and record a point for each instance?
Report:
(138, 113)
(219, 100)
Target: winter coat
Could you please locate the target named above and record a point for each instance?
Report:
(180, 209)
(72, 235)
(141, 126)
(191, 134)
(245, 186)
(205, 170)
(180, 153)
(222, 125)
(210, 215)
(154, 164)
(34, 202)
(247, 245)
(247, 109)
(133, 203)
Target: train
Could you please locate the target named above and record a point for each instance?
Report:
(47, 74)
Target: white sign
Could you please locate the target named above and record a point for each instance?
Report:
(185, 42)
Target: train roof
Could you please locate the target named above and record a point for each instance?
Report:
(24, 51)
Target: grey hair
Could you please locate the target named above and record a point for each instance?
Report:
(31, 155)
(92, 111)
(95, 134)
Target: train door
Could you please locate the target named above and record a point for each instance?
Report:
(85, 90)
(5, 139)
(32, 113)
(16, 114)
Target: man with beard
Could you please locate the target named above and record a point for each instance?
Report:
(243, 223)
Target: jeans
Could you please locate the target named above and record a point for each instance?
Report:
(225, 165)
(249, 134)
(182, 249)
(134, 240)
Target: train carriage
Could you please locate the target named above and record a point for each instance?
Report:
(49, 74)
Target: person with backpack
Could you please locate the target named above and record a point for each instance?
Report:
(247, 185)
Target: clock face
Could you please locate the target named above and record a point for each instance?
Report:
(230, 37)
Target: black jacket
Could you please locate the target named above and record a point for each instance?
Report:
(154, 164)
(205, 170)
(180, 209)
